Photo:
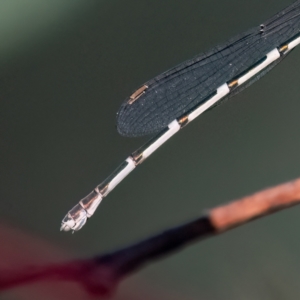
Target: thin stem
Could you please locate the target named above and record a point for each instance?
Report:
(102, 273)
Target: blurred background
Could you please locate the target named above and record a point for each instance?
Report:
(65, 68)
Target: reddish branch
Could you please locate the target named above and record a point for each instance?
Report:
(101, 274)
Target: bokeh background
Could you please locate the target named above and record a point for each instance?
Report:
(65, 68)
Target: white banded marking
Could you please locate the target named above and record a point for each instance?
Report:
(121, 175)
(293, 43)
(222, 91)
(271, 57)
(173, 128)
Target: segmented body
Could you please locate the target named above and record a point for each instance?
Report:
(176, 91)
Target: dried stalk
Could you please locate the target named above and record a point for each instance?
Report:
(99, 275)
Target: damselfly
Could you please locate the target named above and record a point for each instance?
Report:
(171, 100)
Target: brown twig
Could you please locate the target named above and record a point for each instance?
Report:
(100, 275)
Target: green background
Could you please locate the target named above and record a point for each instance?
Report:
(65, 68)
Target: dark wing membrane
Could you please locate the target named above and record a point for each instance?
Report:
(175, 92)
